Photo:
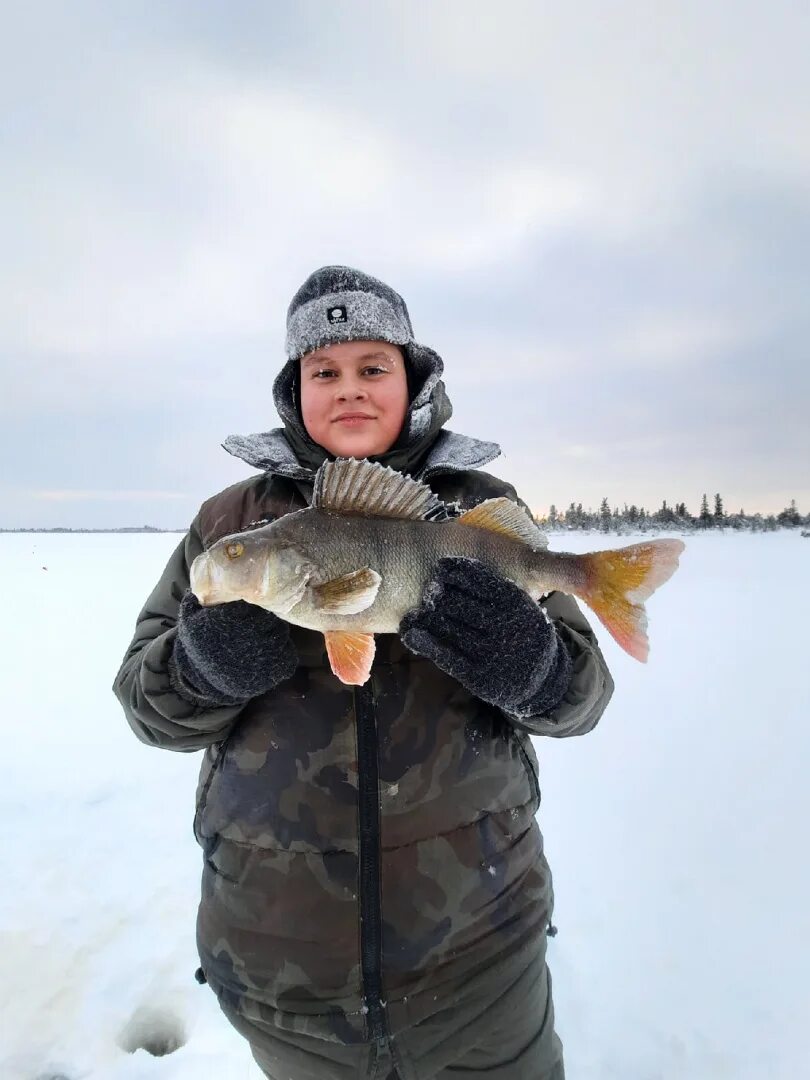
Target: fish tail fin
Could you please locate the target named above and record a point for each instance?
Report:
(616, 584)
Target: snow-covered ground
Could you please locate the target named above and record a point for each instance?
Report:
(677, 832)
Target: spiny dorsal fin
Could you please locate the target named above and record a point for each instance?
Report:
(359, 486)
(505, 517)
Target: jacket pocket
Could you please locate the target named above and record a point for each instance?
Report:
(229, 861)
(526, 751)
(210, 766)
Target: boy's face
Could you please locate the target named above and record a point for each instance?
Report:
(354, 397)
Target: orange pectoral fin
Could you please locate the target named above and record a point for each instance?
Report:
(350, 655)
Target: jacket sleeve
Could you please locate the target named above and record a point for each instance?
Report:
(156, 711)
(591, 686)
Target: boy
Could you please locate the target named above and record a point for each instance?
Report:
(375, 898)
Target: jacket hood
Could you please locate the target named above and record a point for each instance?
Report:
(422, 448)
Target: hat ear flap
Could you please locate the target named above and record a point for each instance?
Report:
(287, 392)
(413, 386)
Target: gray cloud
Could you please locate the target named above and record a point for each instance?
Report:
(600, 219)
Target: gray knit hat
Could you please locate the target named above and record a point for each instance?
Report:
(338, 303)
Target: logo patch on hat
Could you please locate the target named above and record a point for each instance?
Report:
(336, 314)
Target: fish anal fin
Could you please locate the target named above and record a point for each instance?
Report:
(359, 486)
(507, 518)
(347, 594)
(350, 655)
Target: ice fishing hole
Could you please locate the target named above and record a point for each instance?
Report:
(157, 1032)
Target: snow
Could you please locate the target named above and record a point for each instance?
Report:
(676, 832)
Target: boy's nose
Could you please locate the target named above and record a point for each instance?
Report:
(349, 392)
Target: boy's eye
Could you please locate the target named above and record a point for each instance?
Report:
(330, 373)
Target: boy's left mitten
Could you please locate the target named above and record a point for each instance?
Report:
(226, 654)
(490, 636)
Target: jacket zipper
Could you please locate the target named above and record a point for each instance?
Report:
(370, 904)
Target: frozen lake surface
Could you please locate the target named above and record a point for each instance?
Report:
(676, 832)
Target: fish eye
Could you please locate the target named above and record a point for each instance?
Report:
(234, 549)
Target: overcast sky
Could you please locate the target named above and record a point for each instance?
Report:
(599, 214)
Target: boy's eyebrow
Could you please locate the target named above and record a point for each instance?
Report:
(378, 355)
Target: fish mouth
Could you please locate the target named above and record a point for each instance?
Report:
(205, 579)
(199, 577)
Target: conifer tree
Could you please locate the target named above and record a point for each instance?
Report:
(604, 515)
(790, 515)
(705, 513)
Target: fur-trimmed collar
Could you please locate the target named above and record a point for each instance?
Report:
(270, 452)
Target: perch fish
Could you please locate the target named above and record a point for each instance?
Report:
(359, 557)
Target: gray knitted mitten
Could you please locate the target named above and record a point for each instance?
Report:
(491, 636)
(226, 654)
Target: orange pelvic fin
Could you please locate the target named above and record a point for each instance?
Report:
(350, 655)
(619, 581)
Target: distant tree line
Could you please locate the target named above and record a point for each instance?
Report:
(606, 519)
(122, 529)
(637, 519)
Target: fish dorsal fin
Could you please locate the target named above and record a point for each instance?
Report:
(359, 486)
(350, 655)
(507, 518)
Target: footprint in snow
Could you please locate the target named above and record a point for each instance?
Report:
(158, 1032)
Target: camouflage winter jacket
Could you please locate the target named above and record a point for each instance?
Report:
(369, 852)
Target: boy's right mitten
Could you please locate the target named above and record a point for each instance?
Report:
(226, 654)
